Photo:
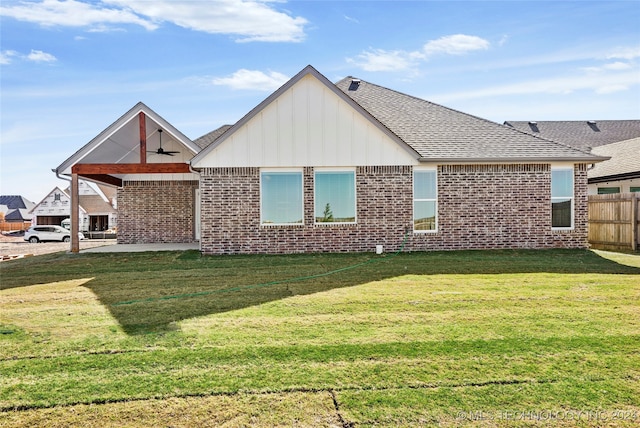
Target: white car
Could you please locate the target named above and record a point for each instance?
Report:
(47, 233)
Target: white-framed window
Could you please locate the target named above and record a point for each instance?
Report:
(281, 197)
(334, 196)
(425, 200)
(562, 198)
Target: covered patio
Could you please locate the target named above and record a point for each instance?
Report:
(147, 159)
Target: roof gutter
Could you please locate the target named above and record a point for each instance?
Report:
(592, 159)
(193, 170)
(615, 177)
(58, 175)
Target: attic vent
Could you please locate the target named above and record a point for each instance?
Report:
(593, 125)
(355, 83)
(591, 122)
(534, 126)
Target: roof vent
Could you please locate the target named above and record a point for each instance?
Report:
(534, 126)
(593, 125)
(355, 83)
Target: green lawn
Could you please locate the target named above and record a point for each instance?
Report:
(489, 338)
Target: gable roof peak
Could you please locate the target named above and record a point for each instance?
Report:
(116, 127)
(308, 70)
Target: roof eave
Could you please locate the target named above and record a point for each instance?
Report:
(614, 177)
(591, 159)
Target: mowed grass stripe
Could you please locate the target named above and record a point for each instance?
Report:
(331, 353)
(565, 403)
(184, 372)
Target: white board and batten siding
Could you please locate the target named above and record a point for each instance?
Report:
(307, 125)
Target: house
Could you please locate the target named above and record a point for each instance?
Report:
(581, 134)
(621, 173)
(350, 166)
(614, 138)
(14, 212)
(96, 208)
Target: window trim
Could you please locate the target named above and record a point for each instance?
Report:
(414, 199)
(572, 198)
(285, 171)
(355, 195)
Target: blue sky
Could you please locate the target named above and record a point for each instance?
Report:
(71, 68)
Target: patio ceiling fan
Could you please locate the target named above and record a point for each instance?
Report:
(160, 150)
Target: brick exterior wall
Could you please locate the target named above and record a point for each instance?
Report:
(502, 206)
(156, 211)
(479, 207)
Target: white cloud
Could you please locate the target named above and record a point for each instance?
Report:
(253, 79)
(400, 60)
(348, 18)
(600, 83)
(628, 53)
(39, 56)
(381, 60)
(614, 66)
(617, 66)
(7, 56)
(609, 89)
(249, 20)
(457, 44)
(72, 13)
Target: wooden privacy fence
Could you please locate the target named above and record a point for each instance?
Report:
(613, 221)
(9, 226)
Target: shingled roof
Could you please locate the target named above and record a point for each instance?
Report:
(434, 132)
(439, 133)
(16, 208)
(624, 162)
(212, 136)
(582, 134)
(94, 204)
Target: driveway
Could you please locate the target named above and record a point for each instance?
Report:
(13, 247)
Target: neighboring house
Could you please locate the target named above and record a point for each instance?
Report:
(14, 212)
(619, 174)
(340, 167)
(617, 139)
(96, 209)
(581, 134)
